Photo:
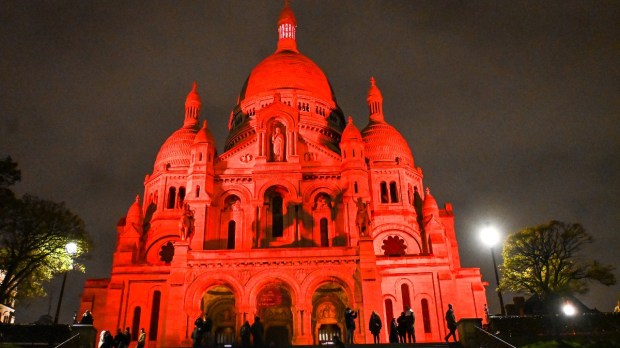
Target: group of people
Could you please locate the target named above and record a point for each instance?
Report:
(402, 329)
(256, 331)
(121, 339)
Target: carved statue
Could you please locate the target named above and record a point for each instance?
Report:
(362, 220)
(186, 223)
(277, 142)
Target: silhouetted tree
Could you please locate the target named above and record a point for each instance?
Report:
(33, 236)
(545, 261)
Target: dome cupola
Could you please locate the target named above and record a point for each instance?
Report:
(351, 132)
(192, 107)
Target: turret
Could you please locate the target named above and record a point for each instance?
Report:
(128, 242)
(287, 25)
(192, 108)
(375, 102)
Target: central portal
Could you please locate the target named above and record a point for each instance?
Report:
(274, 309)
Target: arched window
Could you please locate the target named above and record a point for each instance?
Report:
(135, 323)
(154, 316)
(172, 197)
(389, 312)
(231, 234)
(324, 233)
(355, 187)
(393, 192)
(278, 218)
(404, 289)
(426, 318)
(197, 191)
(384, 192)
(353, 152)
(181, 196)
(200, 157)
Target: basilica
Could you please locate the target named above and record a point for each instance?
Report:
(301, 215)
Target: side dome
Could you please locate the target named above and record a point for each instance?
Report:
(382, 142)
(176, 150)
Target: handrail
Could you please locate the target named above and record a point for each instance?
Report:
(74, 337)
(494, 340)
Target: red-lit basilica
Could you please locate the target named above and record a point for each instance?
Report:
(299, 216)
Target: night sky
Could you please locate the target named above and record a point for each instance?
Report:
(512, 108)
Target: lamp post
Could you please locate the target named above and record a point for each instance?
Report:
(71, 248)
(490, 237)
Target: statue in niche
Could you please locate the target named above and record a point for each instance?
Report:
(277, 143)
(322, 202)
(186, 223)
(362, 220)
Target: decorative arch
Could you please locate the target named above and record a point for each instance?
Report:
(408, 234)
(313, 190)
(261, 280)
(203, 282)
(293, 194)
(314, 280)
(155, 245)
(240, 191)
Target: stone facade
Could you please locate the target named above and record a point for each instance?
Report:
(301, 216)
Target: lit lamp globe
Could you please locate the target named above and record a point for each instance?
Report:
(71, 248)
(568, 309)
(489, 236)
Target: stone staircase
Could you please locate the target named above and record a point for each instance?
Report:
(395, 345)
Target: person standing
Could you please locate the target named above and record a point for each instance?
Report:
(127, 337)
(402, 327)
(141, 339)
(451, 323)
(349, 320)
(207, 327)
(119, 339)
(257, 333)
(245, 333)
(393, 331)
(410, 323)
(375, 326)
(617, 308)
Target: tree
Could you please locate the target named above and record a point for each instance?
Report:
(545, 261)
(33, 236)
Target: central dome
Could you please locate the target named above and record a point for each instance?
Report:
(287, 68)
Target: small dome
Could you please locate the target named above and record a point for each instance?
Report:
(351, 132)
(134, 214)
(176, 150)
(204, 135)
(382, 142)
(430, 206)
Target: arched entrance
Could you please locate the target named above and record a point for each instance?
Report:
(274, 308)
(328, 304)
(218, 303)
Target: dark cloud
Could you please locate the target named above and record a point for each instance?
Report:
(511, 108)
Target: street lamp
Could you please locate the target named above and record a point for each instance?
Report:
(71, 249)
(490, 237)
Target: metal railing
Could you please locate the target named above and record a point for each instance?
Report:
(68, 343)
(488, 340)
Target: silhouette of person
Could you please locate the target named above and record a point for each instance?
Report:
(451, 323)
